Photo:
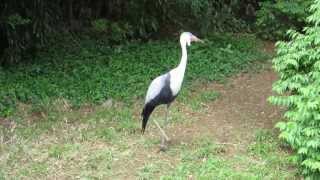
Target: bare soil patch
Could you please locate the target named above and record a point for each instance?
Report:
(236, 115)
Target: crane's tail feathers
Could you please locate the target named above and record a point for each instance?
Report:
(147, 110)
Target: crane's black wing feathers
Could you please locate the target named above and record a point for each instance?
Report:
(147, 110)
(164, 97)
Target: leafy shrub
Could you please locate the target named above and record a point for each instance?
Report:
(298, 65)
(275, 18)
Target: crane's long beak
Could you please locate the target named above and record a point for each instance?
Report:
(196, 39)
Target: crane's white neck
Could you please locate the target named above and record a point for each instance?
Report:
(177, 73)
(184, 56)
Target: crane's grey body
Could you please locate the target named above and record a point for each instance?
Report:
(159, 92)
(163, 95)
(165, 88)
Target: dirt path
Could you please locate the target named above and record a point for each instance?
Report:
(241, 109)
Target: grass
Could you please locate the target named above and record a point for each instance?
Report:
(90, 72)
(206, 160)
(98, 147)
(198, 101)
(50, 139)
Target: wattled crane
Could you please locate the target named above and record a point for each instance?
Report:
(165, 88)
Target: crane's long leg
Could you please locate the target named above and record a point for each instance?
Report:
(161, 130)
(166, 120)
(164, 139)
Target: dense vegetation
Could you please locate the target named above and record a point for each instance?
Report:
(89, 72)
(28, 26)
(274, 19)
(297, 63)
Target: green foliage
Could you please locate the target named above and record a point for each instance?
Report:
(112, 31)
(107, 134)
(199, 100)
(27, 26)
(100, 25)
(7, 104)
(57, 151)
(206, 160)
(207, 16)
(148, 171)
(16, 19)
(1, 175)
(264, 143)
(297, 63)
(209, 96)
(17, 44)
(90, 72)
(276, 17)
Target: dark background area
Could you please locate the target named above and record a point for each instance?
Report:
(28, 26)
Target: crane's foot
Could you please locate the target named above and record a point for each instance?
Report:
(163, 148)
(168, 140)
(164, 143)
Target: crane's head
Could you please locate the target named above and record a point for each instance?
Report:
(187, 38)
